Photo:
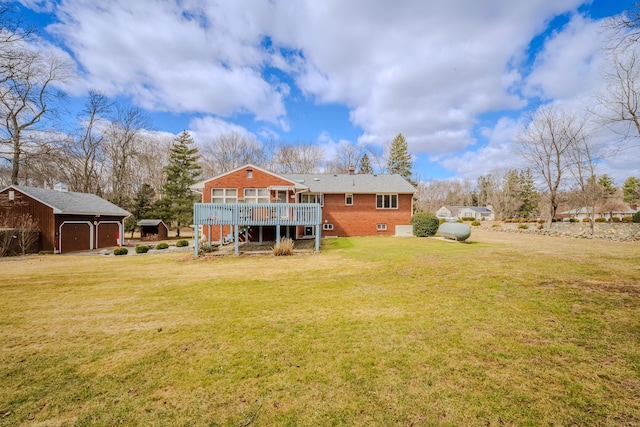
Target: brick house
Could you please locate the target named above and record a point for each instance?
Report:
(349, 204)
(68, 221)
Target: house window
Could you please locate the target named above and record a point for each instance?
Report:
(387, 201)
(224, 195)
(381, 227)
(327, 226)
(256, 195)
(311, 198)
(348, 199)
(249, 173)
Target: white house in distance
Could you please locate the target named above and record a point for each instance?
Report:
(456, 212)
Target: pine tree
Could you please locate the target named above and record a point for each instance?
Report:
(142, 207)
(181, 172)
(365, 165)
(528, 195)
(399, 158)
(607, 184)
(631, 190)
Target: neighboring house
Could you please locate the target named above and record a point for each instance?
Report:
(68, 221)
(457, 212)
(349, 204)
(153, 229)
(585, 212)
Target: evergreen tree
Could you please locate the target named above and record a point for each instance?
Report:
(607, 184)
(528, 195)
(399, 161)
(181, 172)
(631, 190)
(365, 165)
(142, 207)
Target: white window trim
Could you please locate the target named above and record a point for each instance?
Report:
(317, 196)
(327, 226)
(349, 195)
(391, 196)
(381, 227)
(266, 198)
(225, 196)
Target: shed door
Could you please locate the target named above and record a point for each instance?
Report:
(107, 232)
(75, 237)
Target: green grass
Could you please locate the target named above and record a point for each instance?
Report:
(505, 330)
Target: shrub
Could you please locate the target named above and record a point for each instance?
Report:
(162, 245)
(442, 220)
(523, 220)
(182, 243)
(475, 223)
(636, 217)
(496, 226)
(120, 251)
(573, 220)
(615, 219)
(523, 226)
(507, 221)
(142, 249)
(627, 218)
(207, 248)
(284, 248)
(467, 218)
(600, 219)
(541, 221)
(533, 220)
(586, 219)
(425, 224)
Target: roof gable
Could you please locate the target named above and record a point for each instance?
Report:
(199, 186)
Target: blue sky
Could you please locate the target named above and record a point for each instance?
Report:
(453, 76)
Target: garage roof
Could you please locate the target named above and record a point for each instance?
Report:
(71, 203)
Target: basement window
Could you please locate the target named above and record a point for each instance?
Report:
(327, 226)
(381, 227)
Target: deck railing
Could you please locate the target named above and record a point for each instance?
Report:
(257, 214)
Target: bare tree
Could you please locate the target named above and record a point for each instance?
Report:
(301, 157)
(123, 139)
(29, 87)
(230, 151)
(624, 29)
(347, 156)
(433, 194)
(82, 155)
(544, 144)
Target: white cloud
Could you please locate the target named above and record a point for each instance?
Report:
(430, 70)
(205, 129)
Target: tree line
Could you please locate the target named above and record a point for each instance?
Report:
(114, 152)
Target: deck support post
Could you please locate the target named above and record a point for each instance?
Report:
(278, 235)
(195, 239)
(260, 235)
(235, 238)
(317, 237)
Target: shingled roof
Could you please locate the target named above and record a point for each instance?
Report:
(356, 183)
(72, 203)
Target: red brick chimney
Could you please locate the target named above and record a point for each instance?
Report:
(352, 170)
(634, 206)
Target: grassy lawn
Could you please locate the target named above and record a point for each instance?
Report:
(506, 330)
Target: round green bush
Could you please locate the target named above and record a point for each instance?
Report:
(476, 223)
(523, 226)
(425, 224)
(467, 218)
(636, 217)
(600, 219)
(162, 245)
(182, 243)
(120, 251)
(143, 249)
